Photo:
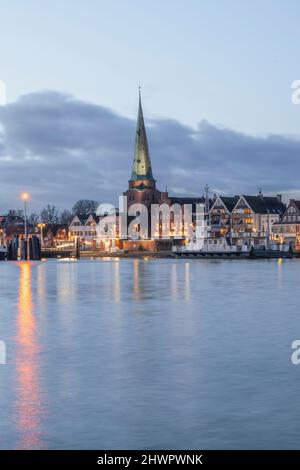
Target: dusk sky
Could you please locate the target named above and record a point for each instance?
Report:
(216, 88)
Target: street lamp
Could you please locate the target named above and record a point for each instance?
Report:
(25, 197)
(41, 226)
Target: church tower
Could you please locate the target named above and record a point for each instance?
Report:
(142, 185)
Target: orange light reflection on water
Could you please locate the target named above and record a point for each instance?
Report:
(28, 403)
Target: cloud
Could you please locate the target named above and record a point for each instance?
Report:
(62, 149)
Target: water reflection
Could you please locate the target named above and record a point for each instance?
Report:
(66, 281)
(279, 273)
(187, 283)
(117, 285)
(141, 288)
(28, 392)
(90, 373)
(136, 280)
(174, 281)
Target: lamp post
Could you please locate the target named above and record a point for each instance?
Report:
(25, 197)
(41, 226)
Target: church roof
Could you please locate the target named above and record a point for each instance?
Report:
(141, 187)
(141, 164)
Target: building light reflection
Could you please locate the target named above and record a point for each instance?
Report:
(136, 279)
(174, 281)
(28, 402)
(187, 283)
(117, 284)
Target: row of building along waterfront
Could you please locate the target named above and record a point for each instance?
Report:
(241, 219)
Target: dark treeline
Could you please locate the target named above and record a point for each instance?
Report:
(50, 214)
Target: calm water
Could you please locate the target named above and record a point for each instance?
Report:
(149, 354)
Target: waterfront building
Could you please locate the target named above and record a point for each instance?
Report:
(241, 220)
(53, 235)
(108, 238)
(287, 230)
(220, 215)
(83, 227)
(253, 217)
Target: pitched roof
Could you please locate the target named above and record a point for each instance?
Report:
(297, 203)
(190, 200)
(229, 202)
(95, 217)
(83, 218)
(265, 204)
(187, 200)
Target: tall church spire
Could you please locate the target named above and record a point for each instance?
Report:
(141, 169)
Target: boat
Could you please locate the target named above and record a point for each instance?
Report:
(3, 252)
(204, 246)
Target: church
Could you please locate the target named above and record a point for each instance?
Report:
(142, 185)
(142, 190)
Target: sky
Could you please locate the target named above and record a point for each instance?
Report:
(216, 81)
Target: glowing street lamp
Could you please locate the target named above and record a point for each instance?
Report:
(41, 226)
(25, 197)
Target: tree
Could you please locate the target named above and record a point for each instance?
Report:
(65, 217)
(14, 217)
(84, 207)
(49, 215)
(33, 218)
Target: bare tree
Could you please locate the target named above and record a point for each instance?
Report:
(84, 207)
(49, 215)
(33, 218)
(65, 217)
(14, 217)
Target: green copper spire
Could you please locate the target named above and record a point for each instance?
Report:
(141, 169)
